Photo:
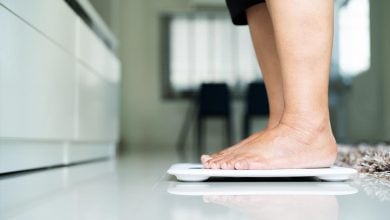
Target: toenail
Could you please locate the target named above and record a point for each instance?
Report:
(205, 158)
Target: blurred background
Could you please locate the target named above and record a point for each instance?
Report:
(81, 80)
(169, 47)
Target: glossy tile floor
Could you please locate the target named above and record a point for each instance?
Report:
(136, 187)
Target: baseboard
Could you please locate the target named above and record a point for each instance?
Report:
(18, 155)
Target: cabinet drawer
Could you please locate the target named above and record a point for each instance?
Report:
(53, 18)
(97, 107)
(37, 83)
(90, 49)
(78, 152)
(24, 155)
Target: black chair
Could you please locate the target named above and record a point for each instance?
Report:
(213, 101)
(256, 104)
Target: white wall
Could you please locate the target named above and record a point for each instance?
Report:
(369, 99)
(383, 61)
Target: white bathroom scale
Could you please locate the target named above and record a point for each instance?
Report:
(195, 173)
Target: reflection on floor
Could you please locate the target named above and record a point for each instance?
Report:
(136, 187)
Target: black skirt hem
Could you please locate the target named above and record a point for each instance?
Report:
(237, 10)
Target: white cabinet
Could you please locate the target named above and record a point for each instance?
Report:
(91, 51)
(97, 106)
(53, 18)
(59, 86)
(84, 151)
(37, 84)
(23, 155)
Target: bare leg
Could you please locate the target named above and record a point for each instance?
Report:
(303, 138)
(263, 38)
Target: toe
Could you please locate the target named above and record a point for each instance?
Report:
(242, 164)
(214, 165)
(226, 163)
(227, 166)
(205, 158)
(232, 159)
(216, 160)
(222, 162)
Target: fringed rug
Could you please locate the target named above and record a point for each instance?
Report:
(372, 160)
(373, 164)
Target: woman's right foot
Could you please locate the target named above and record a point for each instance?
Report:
(273, 122)
(205, 158)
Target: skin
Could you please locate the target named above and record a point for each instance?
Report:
(261, 29)
(293, 41)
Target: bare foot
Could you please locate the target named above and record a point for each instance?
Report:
(272, 122)
(220, 154)
(295, 143)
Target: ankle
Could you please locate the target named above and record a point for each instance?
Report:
(310, 131)
(274, 119)
(272, 123)
(313, 122)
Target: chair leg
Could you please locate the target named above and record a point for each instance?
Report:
(246, 126)
(229, 133)
(199, 138)
(184, 131)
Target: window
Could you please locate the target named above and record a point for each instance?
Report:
(354, 37)
(207, 47)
